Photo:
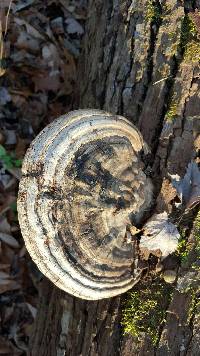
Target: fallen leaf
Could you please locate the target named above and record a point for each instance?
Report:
(4, 96)
(27, 42)
(30, 29)
(32, 309)
(47, 82)
(16, 172)
(22, 5)
(160, 236)
(4, 4)
(4, 266)
(7, 348)
(10, 137)
(4, 276)
(9, 240)
(9, 199)
(57, 25)
(22, 252)
(10, 285)
(4, 225)
(74, 26)
(188, 188)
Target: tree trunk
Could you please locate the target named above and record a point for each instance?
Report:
(140, 60)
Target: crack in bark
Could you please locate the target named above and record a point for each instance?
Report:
(121, 107)
(185, 104)
(112, 54)
(152, 44)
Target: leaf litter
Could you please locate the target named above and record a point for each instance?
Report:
(39, 46)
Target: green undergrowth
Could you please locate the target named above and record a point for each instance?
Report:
(189, 41)
(9, 160)
(144, 309)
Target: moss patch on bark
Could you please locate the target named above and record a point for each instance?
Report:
(190, 41)
(144, 309)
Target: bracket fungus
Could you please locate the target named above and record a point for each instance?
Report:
(82, 183)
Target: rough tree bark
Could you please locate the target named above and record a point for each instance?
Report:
(141, 60)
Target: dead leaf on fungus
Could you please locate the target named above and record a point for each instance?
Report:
(160, 237)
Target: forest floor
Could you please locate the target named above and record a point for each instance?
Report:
(40, 42)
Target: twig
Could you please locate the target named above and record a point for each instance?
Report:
(7, 15)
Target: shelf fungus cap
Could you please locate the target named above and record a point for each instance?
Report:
(82, 183)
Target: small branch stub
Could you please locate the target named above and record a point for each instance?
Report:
(82, 182)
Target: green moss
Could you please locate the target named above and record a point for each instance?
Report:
(188, 30)
(194, 304)
(172, 110)
(192, 52)
(196, 264)
(153, 13)
(144, 309)
(167, 8)
(197, 226)
(189, 41)
(183, 249)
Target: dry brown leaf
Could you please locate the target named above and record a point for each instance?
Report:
(7, 348)
(22, 5)
(5, 266)
(30, 29)
(27, 42)
(22, 252)
(4, 4)
(32, 309)
(4, 225)
(9, 240)
(20, 148)
(4, 276)
(9, 199)
(8, 254)
(16, 172)
(10, 285)
(47, 82)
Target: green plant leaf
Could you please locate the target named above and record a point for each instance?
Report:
(2, 151)
(18, 163)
